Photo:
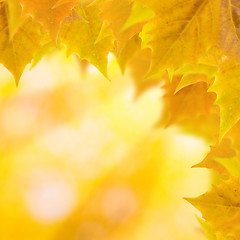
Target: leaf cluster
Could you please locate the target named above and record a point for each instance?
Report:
(191, 47)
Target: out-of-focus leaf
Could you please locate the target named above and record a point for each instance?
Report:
(189, 102)
(139, 66)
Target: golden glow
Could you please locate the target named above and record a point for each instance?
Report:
(82, 159)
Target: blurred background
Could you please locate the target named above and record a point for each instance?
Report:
(83, 158)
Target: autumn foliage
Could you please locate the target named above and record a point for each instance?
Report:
(191, 48)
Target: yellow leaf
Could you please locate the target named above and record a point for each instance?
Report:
(204, 126)
(207, 229)
(79, 33)
(139, 66)
(214, 57)
(225, 157)
(131, 48)
(139, 13)
(49, 13)
(195, 73)
(153, 4)
(47, 48)
(191, 101)
(235, 137)
(221, 208)
(104, 32)
(220, 155)
(17, 52)
(183, 32)
(146, 36)
(170, 72)
(231, 164)
(14, 19)
(86, 2)
(229, 39)
(228, 90)
(116, 13)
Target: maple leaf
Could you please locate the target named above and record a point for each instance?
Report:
(152, 4)
(224, 151)
(191, 101)
(49, 13)
(229, 39)
(203, 126)
(85, 20)
(195, 73)
(128, 52)
(207, 229)
(234, 135)
(116, 13)
(228, 90)
(139, 65)
(14, 16)
(182, 32)
(225, 157)
(46, 49)
(146, 36)
(191, 46)
(139, 13)
(220, 208)
(17, 52)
